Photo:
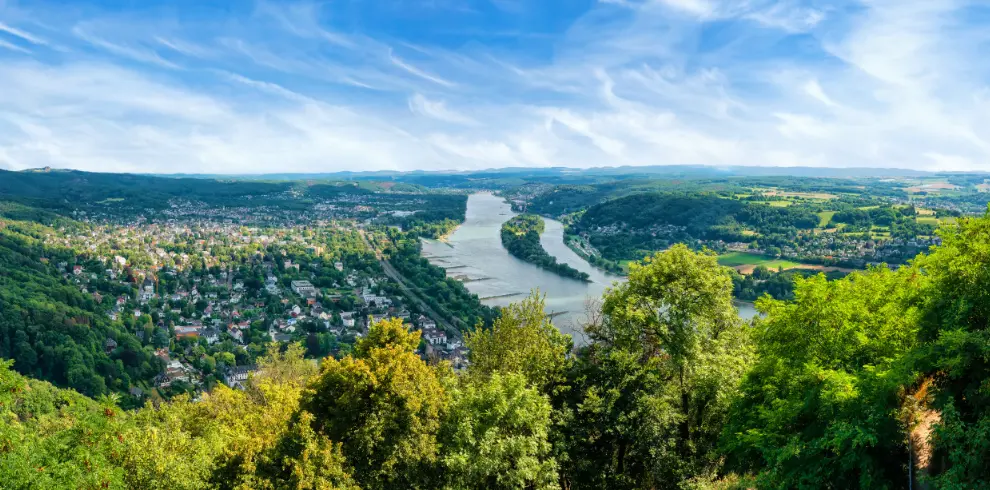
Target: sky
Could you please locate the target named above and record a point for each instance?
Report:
(245, 86)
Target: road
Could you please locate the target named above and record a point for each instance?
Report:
(408, 291)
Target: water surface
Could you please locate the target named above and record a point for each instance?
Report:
(474, 254)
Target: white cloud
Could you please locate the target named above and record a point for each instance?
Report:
(13, 47)
(419, 73)
(419, 104)
(31, 38)
(134, 53)
(877, 83)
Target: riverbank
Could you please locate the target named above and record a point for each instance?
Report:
(591, 258)
(521, 237)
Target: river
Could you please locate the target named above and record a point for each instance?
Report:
(474, 254)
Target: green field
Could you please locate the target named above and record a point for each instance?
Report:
(928, 220)
(824, 217)
(737, 259)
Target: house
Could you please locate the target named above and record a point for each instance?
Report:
(425, 323)
(304, 288)
(211, 335)
(238, 375)
(339, 266)
(347, 319)
(434, 336)
(77, 269)
(110, 345)
(162, 380)
(188, 332)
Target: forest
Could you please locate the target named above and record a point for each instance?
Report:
(521, 237)
(52, 330)
(623, 228)
(874, 380)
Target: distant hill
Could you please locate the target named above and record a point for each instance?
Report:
(692, 171)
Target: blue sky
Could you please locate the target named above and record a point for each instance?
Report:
(262, 86)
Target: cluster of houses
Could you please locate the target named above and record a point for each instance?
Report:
(207, 303)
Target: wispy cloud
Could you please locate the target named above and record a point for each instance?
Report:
(13, 47)
(419, 104)
(134, 53)
(31, 38)
(315, 86)
(419, 73)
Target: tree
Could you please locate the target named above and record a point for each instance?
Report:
(654, 388)
(384, 405)
(522, 340)
(955, 317)
(303, 459)
(821, 402)
(495, 436)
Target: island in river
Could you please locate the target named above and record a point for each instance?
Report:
(521, 237)
(474, 254)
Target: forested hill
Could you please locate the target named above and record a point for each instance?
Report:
(623, 228)
(51, 329)
(521, 237)
(71, 189)
(701, 215)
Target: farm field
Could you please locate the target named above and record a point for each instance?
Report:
(744, 263)
(741, 259)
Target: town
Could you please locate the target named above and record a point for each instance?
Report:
(208, 295)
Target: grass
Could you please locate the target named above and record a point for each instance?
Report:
(824, 217)
(928, 220)
(625, 265)
(736, 259)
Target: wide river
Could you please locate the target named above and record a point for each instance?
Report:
(474, 254)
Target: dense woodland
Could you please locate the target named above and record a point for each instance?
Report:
(52, 330)
(521, 237)
(633, 222)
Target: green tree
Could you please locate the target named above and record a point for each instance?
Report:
(955, 318)
(384, 405)
(495, 436)
(522, 340)
(654, 388)
(820, 404)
